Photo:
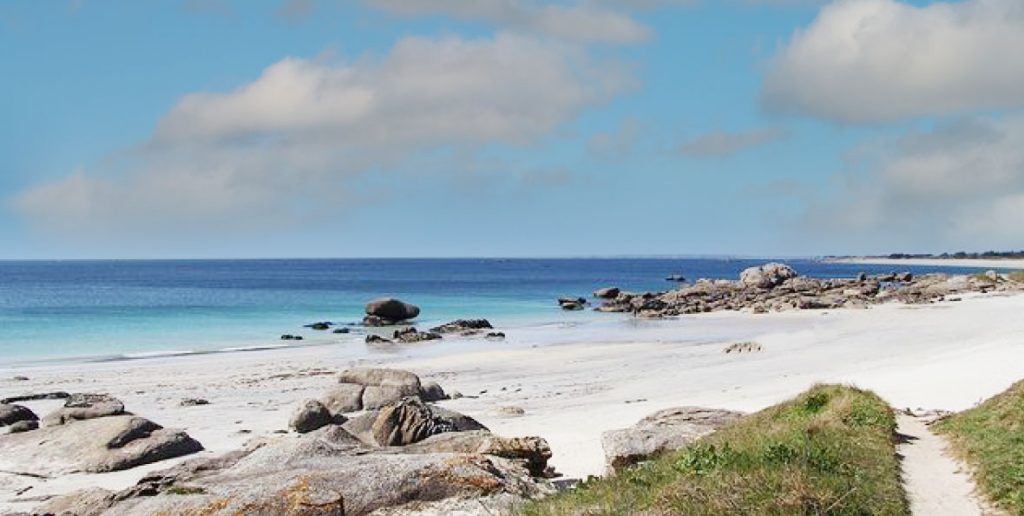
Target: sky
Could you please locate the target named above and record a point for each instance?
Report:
(423, 128)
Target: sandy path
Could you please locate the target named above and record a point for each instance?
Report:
(936, 483)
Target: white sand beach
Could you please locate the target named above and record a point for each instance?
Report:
(947, 355)
(981, 263)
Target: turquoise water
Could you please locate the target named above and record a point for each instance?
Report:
(111, 309)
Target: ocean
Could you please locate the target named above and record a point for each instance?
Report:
(121, 309)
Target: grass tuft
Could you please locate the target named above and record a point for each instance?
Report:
(831, 450)
(990, 437)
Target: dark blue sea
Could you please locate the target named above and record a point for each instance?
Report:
(103, 310)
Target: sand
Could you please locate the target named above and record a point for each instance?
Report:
(590, 379)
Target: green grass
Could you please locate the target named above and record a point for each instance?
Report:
(831, 450)
(1017, 276)
(990, 437)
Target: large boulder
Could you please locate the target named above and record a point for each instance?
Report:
(12, 414)
(391, 309)
(310, 415)
(607, 293)
(768, 275)
(381, 386)
(344, 398)
(323, 472)
(663, 431)
(93, 445)
(80, 407)
(408, 421)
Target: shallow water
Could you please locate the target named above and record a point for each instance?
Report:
(102, 310)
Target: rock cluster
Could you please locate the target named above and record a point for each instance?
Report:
(777, 287)
(371, 388)
(90, 433)
(463, 326)
(406, 456)
(663, 431)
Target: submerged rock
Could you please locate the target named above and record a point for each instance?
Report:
(411, 335)
(463, 326)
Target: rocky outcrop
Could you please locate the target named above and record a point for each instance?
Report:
(80, 407)
(463, 326)
(776, 287)
(388, 311)
(12, 414)
(663, 431)
(533, 451)
(328, 472)
(95, 445)
(344, 398)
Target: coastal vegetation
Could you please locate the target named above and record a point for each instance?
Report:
(990, 437)
(830, 450)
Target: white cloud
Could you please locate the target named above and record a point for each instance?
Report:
(580, 22)
(721, 143)
(282, 146)
(960, 185)
(866, 61)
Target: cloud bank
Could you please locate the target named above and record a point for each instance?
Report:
(872, 61)
(958, 185)
(291, 142)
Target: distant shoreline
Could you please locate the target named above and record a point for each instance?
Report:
(981, 263)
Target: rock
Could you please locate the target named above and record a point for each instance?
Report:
(534, 451)
(562, 301)
(342, 330)
(862, 277)
(59, 395)
(380, 376)
(410, 420)
(766, 276)
(382, 386)
(742, 347)
(20, 378)
(291, 337)
(193, 402)
(84, 406)
(392, 309)
(904, 277)
(411, 335)
(319, 326)
(511, 411)
(326, 472)
(23, 426)
(376, 339)
(98, 445)
(572, 306)
(463, 326)
(344, 398)
(663, 431)
(679, 278)
(11, 414)
(607, 293)
(495, 335)
(91, 501)
(432, 391)
(310, 415)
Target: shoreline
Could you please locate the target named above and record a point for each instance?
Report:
(980, 263)
(946, 355)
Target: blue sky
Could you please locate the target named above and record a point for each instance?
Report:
(212, 128)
